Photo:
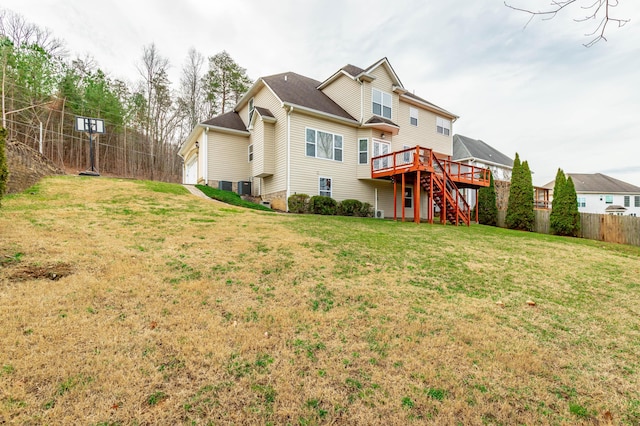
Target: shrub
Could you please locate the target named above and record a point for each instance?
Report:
(350, 208)
(298, 203)
(4, 171)
(366, 210)
(320, 204)
(564, 218)
(487, 206)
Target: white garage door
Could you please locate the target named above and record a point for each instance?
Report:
(191, 171)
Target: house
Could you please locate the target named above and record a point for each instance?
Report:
(359, 134)
(479, 153)
(602, 194)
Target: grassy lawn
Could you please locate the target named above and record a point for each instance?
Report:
(127, 302)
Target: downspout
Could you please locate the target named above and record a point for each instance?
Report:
(288, 156)
(205, 154)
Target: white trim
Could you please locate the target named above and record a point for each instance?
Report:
(382, 105)
(205, 155)
(333, 144)
(288, 194)
(360, 151)
(250, 153)
(322, 114)
(330, 186)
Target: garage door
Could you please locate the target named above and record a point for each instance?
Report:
(191, 171)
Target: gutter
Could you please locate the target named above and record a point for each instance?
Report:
(317, 113)
(288, 155)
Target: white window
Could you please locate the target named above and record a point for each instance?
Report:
(413, 116)
(381, 148)
(363, 151)
(636, 201)
(408, 198)
(324, 186)
(251, 108)
(608, 199)
(627, 201)
(443, 126)
(325, 145)
(582, 201)
(251, 153)
(406, 156)
(381, 103)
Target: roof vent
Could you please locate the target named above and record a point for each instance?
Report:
(285, 77)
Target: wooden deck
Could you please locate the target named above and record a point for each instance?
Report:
(440, 177)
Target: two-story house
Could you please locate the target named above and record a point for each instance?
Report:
(602, 194)
(292, 134)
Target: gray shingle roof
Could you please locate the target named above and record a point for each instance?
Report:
(464, 147)
(599, 183)
(264, 112)
(418, 98)
(377, 120)
(352, 70)
(300, 90)
(229, 120)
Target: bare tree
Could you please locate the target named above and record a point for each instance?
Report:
(191, 99)
(600, 11)
(21, 32)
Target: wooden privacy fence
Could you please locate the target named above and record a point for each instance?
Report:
(600, 227)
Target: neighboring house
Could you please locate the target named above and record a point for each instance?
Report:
(292, 134)
(602, 194)
(478, 153)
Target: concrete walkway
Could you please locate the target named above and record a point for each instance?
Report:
(195, 191)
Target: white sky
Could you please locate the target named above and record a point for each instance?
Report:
(536, 91)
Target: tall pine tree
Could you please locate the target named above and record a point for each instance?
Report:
(487, 207)
(558, 207)
(520, 208)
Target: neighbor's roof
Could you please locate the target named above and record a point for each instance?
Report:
(599, 183)
(465, 148)
(230, 120)
(296, 89)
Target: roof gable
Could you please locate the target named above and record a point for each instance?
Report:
(296, 89)
(467, 148)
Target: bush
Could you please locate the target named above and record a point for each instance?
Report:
(366, 210)
(319, 204)
(298, 203)
(520, 214)
(350, 208)
(487, 206)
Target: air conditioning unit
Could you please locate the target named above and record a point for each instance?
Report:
(379, 214)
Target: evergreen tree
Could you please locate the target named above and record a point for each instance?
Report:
(558, 207)
(573, 215)
(4, 170)
(520, 208)
(487, 207)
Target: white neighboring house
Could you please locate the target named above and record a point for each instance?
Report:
(602, 194)
(478, 153)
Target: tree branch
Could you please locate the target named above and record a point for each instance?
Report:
(594, 9)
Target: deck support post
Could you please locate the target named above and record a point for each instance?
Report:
(395, 197)
(416, 195)
(403, 192)
(477, 204)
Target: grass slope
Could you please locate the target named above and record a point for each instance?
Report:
(128, 302)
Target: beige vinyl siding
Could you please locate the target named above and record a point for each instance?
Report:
(346, 93)
(382, 82)
(228, 157)
(278, 181)
(262, 138)
(424, 134)
(306, 171)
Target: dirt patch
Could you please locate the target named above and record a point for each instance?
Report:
(48, 272)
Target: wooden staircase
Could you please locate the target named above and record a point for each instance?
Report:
(447, 196)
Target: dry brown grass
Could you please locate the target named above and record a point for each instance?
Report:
(124, 305)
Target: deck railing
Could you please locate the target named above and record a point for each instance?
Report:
(419, 158)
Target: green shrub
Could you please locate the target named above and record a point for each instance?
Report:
(487, 207)
(350, 208)
(520, 208)
(4, 170)
(320, 204)
(366, 210)
(298, 203)
(564, 218)
(230, 197)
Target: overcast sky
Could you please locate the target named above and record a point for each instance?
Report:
(536, 91)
